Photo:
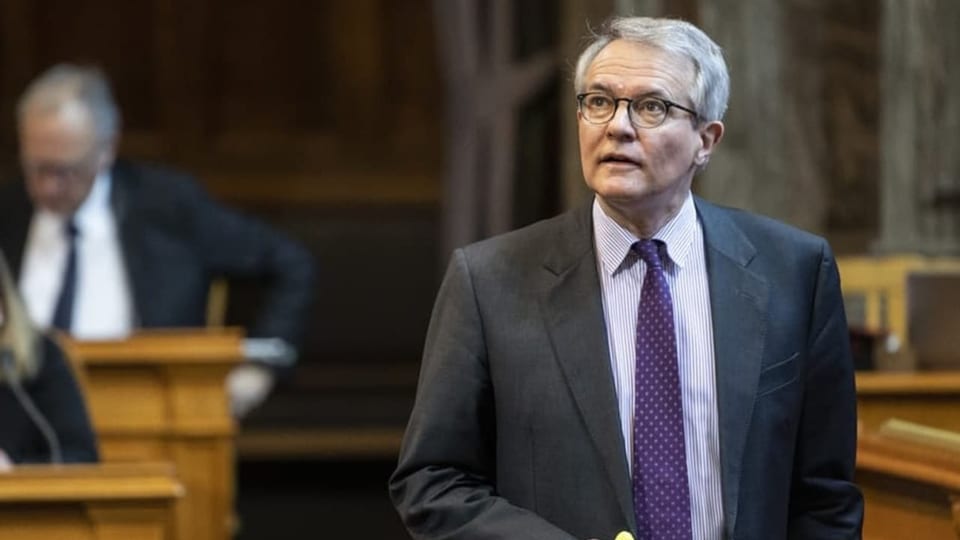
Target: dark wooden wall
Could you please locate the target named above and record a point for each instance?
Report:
(323, 118)
(291, 101)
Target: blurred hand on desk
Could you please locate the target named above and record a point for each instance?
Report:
(250, 384)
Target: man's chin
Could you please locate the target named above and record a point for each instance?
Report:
(623, 188)
(58, 209)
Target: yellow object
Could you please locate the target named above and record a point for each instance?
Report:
(217, 303)
(624, 535)
(878, 285)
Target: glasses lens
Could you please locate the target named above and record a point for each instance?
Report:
(597, 108)
(649, 112)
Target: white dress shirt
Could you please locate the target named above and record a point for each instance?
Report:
(621, 276)
(103, 306)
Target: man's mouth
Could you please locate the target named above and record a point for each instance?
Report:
(620, 159)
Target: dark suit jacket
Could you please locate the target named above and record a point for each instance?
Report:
(175, 240)
(55, 393)
(515, 430)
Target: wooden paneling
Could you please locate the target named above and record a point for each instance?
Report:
(113, 34)
(322, 118)
(294, 95)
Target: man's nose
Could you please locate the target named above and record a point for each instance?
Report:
(620, 125)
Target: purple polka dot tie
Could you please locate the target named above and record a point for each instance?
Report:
(661, 493)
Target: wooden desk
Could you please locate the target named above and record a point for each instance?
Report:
(931, 398)
(910, 490)
(161, 396)
(88, 502)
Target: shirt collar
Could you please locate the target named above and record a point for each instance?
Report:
(614, 242)
(90, 216)
(96, 204)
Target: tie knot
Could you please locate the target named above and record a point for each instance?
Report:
(70, 229)
(649, 250)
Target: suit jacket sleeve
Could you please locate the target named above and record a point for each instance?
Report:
(57, 396)
(825, 502)
(237, 246)
(445, 485)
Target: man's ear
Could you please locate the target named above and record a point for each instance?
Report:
(710, 135)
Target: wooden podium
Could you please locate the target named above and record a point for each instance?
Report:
(88, 502)
(161, 396)
(911, 489)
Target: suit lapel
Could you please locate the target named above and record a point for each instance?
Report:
(573, 310)
(738, 298)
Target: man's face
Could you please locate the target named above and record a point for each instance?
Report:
(634, 169)
(60, 156)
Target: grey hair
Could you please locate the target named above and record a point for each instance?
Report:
(712, 81)
(64, 83)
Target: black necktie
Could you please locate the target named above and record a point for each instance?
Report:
(63, 313)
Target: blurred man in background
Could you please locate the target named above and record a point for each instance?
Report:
(104, 246)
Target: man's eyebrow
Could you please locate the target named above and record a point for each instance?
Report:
(653, 92)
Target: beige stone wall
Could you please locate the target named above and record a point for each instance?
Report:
(773, 157)
(844, 116)
(850, 60)
(802, 142)
(920, 127)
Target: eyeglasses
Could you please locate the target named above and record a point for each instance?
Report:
(84, 167)
(645, 112)
(63, 172)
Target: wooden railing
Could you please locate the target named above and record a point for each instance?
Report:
(911, 485)
(133, 501)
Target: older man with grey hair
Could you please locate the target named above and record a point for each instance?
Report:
(649, 365)
(102, 246)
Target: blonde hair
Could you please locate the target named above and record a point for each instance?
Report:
(18, 337)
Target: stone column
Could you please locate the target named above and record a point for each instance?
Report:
(920, 127)
(771, 160)
(644, 8)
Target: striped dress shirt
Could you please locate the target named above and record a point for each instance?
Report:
(621, 276)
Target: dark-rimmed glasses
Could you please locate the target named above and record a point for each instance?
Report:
(644, 112)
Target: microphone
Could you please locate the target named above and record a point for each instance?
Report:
(9, 370)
